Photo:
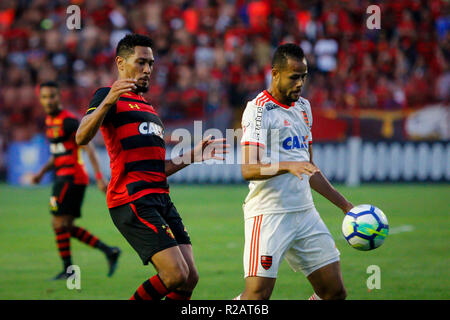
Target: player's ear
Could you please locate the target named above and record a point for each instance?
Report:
(120, 63)
(275, 73)
(57, 93)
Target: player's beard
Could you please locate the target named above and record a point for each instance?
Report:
(285, 92)
(142, 89)
(291, 95)
(53, 110)
(294, 96)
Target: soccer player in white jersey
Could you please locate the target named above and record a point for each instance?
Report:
(281, 220)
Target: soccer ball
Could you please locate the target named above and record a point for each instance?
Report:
(365, 227)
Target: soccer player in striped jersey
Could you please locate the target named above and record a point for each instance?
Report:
(138, 193)
(71, 179)
(280, 217)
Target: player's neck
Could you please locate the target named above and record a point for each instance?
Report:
(278, 96)
(138, 93)
(55, 113)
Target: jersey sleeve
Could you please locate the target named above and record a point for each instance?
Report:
(254, 126)
(97, 99)
(70, 125)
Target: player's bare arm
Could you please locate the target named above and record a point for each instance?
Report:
(92, 155)
(206, 149)
(253, 169)
(320, 184)
(47, 167)
(91, 123)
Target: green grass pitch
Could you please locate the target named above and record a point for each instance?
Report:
(414, 260)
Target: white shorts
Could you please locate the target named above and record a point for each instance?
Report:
(300, 237)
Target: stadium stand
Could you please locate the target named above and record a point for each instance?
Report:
(213, 55)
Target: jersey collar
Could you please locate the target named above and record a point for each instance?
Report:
(133, 95)
(268, 95)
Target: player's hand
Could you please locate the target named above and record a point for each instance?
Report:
(118, 88)
(297, 168)
(210, 148)
(347, 207)
(102, 185)
(35, 179)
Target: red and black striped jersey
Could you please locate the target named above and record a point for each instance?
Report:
(60, 131)
(133, 135)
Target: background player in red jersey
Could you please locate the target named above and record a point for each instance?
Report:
(71, 179)
(137, 196)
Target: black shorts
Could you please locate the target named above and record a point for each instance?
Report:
(150, 224)
(67, 198)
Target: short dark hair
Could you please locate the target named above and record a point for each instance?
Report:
(125, 47)
(285, 51)
(51, 84)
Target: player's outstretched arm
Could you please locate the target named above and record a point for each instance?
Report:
(91, 122)
(45, 168)
(320, 184)
(253, 169)
(206, 149)
(93, 158)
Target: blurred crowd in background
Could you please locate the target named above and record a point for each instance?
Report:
(214, 55)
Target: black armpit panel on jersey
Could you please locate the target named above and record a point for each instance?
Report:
(97, 99)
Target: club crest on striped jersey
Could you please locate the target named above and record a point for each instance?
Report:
(54, 131)
(266, 262)
(148, 127)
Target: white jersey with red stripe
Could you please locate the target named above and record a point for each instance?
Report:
(285, 134)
